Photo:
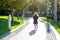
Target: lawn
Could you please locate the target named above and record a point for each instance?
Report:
(4, 24)
(56, 25)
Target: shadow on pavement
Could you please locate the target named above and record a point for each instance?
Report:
(32, 32)
(50, 35)
(4, 35)
(48, 27)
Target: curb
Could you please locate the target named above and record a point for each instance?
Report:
(54, 30)
(18, 27)
(14, 32)
(56, 33)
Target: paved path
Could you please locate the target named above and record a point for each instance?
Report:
(51, 36)
(28, 33)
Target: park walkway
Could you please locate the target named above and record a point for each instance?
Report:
(29, 34)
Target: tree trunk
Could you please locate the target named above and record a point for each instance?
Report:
(18, 15)
(9, 20)
(12, 21)
(47, 8)
(55, 10)
(23, 14)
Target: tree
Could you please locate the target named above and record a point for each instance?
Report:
(33, 8)
(17, 5)
(12, 4)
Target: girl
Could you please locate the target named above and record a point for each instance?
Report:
(35, 17)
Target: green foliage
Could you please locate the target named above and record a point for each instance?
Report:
(52, 4)
(3, 4)
(13, 4)
(18, 4)
(33, 8)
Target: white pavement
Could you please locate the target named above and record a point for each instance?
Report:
(28, 33)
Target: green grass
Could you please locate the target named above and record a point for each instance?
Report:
(56, 25)
(4, 24)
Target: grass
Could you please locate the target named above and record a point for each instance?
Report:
(4, 24)
(56, 25)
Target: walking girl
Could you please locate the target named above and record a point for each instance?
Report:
(35, 18)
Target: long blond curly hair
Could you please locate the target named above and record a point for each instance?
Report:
(35, 13)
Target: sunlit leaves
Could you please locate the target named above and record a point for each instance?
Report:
(13, 4)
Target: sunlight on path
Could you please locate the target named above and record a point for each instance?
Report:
(29, 34)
